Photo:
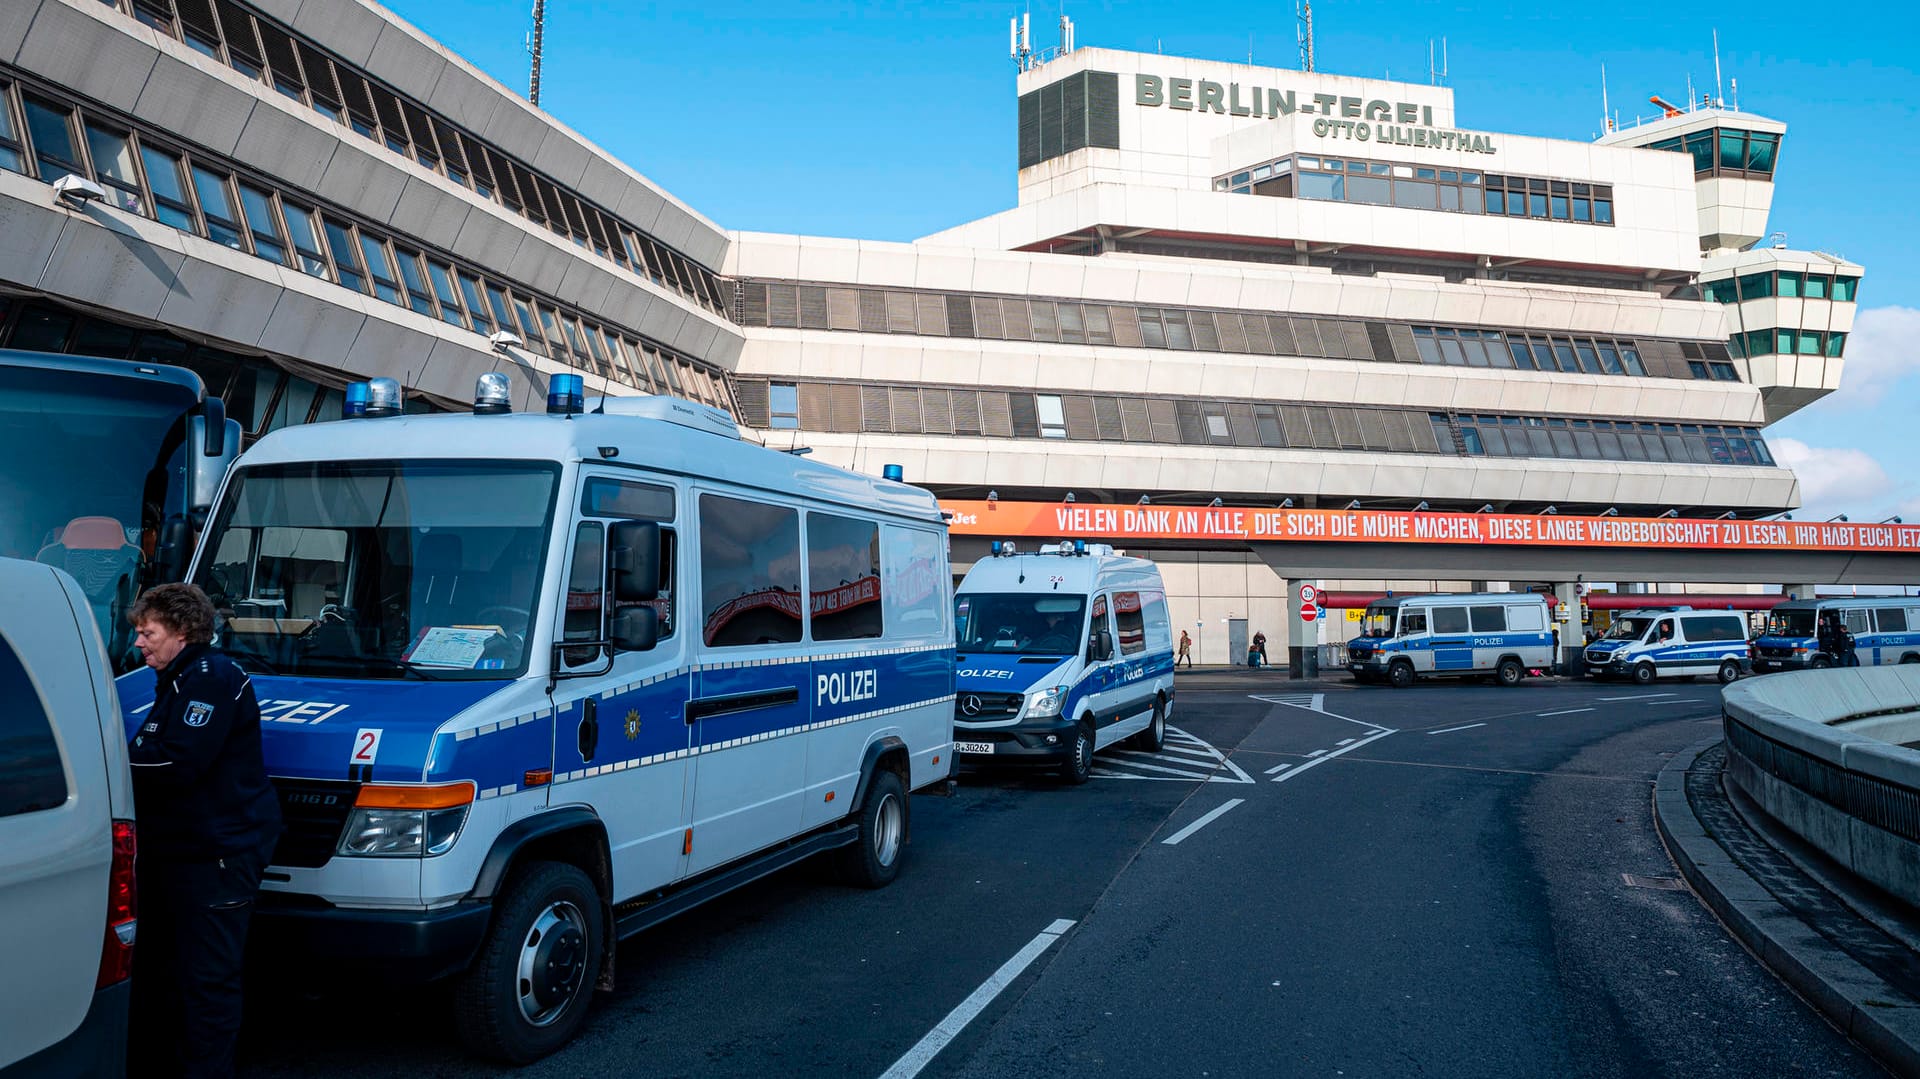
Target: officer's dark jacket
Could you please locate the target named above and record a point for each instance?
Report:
(200, 787)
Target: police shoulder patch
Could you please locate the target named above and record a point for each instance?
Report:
(198, 713)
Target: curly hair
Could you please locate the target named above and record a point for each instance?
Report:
(182, 608)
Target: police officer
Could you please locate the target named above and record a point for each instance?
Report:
(208, 821)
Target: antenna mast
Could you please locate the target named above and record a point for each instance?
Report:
(535, 45)
(1020, 45)
(1606, 110)
(1719, 89)
(1436, 76)
(1304, 15)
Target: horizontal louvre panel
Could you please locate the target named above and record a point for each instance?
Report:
(1205, 337)
(1233, 332)
(1025, 419)
(1379, 343)
(279, 49)
(783, 306)
(959, 317)
(873, 311)
(900, 314)
(1044, 320)
(1126, 326)
(846, 409)
(1080, 421)
(1193, 430)
(753, 303)
(1165, 420)
(1306, 337)
(876, 410)
(995, 421)
(1404, 350)
(936, 411)
(1240, 420)
(1325, 436)
(816, 406)
(1013, 313)
(813, 307)
(422, 131)
(237, 30)
(1299, 431)
(966, 411)
(1259, 336)
(930, 311)
(987, 323)
(1106, 416)
(1134, 424)
(198, 16)
(906, 411)
(751, 395)
(1373, 429)
(1333, 338)
(1359, 344)
(843, 308)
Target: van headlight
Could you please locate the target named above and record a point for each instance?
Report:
(1046, 702)
(405, 821)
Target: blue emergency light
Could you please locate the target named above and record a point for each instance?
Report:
(995, 548)
(1079, 546)
(356, 406)
(566, 395)
(383, 397)
(894, 473)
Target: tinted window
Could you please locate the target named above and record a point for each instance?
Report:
(31, 777)
(749, 572)
(1413, 623)
(1129, 623)
(628, 500)
(586, 586)
(1856, 620)
(1489, 619)
(843, 577)
(1450, 620)
(1892, 619)
(1717, 628)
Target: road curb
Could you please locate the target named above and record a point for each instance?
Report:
(1879, 1017)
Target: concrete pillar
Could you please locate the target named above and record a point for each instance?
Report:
(1303, 652)
(1572, 635)
(1800, 591)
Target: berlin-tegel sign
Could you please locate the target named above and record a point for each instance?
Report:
(1049, 520)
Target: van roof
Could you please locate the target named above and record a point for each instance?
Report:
(1460, 597)
(1078, 573)
(674, 446)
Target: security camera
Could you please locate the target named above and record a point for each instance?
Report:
(75, 191)
(501, 340)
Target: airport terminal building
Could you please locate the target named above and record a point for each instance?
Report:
(1259, 285)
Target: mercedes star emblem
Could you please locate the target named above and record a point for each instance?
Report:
(970, 704)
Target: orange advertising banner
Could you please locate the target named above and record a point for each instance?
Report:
(1058, 521)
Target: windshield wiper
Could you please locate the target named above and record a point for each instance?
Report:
(248, 659)
(408, 667)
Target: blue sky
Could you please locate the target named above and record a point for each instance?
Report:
(894, 120)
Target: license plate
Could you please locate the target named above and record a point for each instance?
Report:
(973, 747)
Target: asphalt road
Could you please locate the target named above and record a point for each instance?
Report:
(1419, 882)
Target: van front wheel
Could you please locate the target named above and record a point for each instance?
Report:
(1400, 674)
(1510, 672)
(527, 992)
(874, 860)
(1079, 767)
(1643, 674)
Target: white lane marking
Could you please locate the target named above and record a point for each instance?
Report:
(1283, 777)
(1182, 772)
(1681, 701)
(1310, 701)
(1216, 814)
(1450, 730)
(1344, 741)
(936, 1039)
(1568, 712)
(1191, 751)
(1635, 697)
(1315, 752)
(1194, 761)
(1317, 706)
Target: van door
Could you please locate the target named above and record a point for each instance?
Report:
(620, 737)
(1488, 623)
(1415, 643)
(748, 708)
(846, 620)
(1452, 639)
(1891, 642)
(1098, 677)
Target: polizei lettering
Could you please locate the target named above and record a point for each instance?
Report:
(846, 687)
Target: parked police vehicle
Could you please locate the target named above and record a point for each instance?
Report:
(1886, 629)
(67, 902)
(1670, 643)
(1061, 654)
(532, 683)
(1402, 638)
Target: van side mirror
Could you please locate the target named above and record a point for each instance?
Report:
(219, 441)
(1100, 646)
(636, 629)
(633, 561)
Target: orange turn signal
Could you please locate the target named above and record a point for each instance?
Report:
(536, 777)
(427, 796)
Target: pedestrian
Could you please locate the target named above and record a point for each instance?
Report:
(1186, 650)
(208, 821)
(1843, 638)
(1260, 647)
(1828, 639)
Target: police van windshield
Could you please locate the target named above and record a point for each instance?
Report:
(385, 569)
(1791, 624)
(1019, 623)
(1377, 622)
(1628, 629)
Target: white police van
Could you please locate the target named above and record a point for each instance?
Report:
(1061, 654)
(1402, 638)
(1670, 643)
(533, 683)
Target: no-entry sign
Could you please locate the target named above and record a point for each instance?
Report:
(1309, 612)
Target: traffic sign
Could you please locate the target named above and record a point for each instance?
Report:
(1309, 612)
(1309, 596)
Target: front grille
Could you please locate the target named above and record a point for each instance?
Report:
(1599, 659)
(1775, 652)
(986, 706)
(314, 811)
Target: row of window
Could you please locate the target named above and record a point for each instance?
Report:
(261, 50)
(1788, 284)
(1726, 151)
(851, 409)
(202, 196)
(1014, 318)
(1422, 187)
(1790, 343)
(1604, 440)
